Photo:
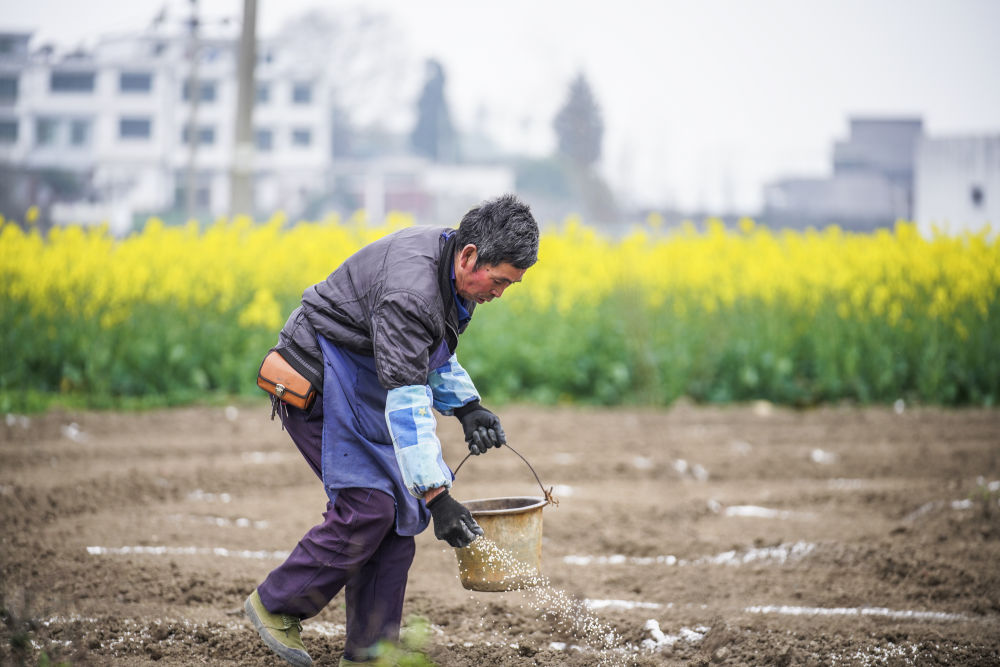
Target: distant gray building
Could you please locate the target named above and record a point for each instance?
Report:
(958, 184)
(871, 185)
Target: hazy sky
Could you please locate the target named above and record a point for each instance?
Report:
(703, 102)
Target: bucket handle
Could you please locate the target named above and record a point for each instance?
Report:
(548, 494)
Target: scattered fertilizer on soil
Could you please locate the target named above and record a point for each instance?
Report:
(562, 491)
(822, 457)
(756, 512)
(567, 614)
(619, 559)
(263, 458)
(202, 496)
(621, 604)
(906, 653)
(324, 628)
(221, 521)
(847, 484)
(186, 551)
(121, 637)
(779, 554)
(658, 639)
(856, 611)
(17, 420)
(75, 433)
(642, 463)
(697, 471)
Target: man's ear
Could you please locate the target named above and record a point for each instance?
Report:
(467, 256)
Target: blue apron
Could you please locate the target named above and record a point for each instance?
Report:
(357, 447)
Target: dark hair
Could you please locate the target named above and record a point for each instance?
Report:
(503, 230)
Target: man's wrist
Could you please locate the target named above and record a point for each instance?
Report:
(431, 494)
(460, 412)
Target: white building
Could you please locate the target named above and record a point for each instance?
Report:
(120, 117)
(958, 184)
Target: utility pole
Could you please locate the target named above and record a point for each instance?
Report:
(194, 96)
(241, 175)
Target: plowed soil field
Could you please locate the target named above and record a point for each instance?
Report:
(735, 535)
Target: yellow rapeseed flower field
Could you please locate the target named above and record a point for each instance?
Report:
(84, 273)
(756, 312)
(881, 275)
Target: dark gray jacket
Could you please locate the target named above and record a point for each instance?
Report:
(392, 300)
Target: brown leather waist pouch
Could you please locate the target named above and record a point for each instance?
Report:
(277, 377)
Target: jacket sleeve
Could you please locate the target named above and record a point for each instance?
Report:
(402, 334)
(451, 387)
(418, 450)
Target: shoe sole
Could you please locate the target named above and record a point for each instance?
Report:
(290, 655)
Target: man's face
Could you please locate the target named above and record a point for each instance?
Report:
(484, 282)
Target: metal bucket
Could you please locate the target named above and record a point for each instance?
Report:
(515, 526)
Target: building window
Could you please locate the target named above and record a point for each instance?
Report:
(977, 196)
(46, 130)
(135, 128)
(71, 82)
(206, 135)
(8, 46)
(202, 195)
(206, 91)
(79, 132)
(8, 89)
(302, 137)
(264, 140)
(8, 131)
(263, 93)
(135, 82)
(302, 93)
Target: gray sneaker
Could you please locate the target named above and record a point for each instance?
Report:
(279, 631)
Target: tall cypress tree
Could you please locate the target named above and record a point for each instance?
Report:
(578, 125)
(434, 136)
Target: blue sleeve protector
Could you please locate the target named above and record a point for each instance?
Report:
(418, 450)
(451, 386)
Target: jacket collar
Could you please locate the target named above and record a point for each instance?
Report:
(449, 241)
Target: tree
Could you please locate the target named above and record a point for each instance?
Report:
(579, 131)
(433, 135)
(373, 73)
(578, 125)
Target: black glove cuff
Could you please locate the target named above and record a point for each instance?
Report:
(467, 408)
(435, 499)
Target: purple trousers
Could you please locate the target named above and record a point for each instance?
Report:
(356, 546)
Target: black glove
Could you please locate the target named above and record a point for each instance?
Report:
(482, 427)
(453, 523)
